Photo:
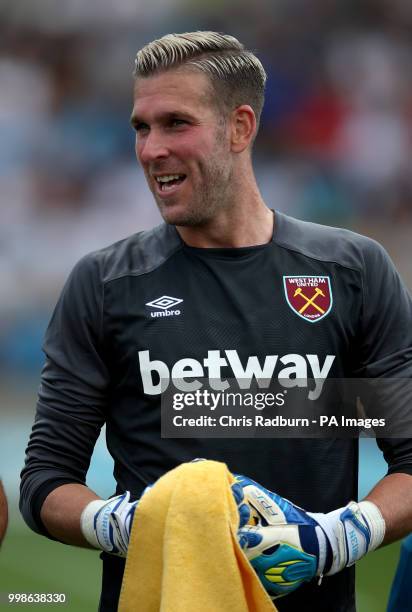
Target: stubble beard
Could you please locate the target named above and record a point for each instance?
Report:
(209, 198)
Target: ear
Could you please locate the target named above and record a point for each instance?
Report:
(243, 128)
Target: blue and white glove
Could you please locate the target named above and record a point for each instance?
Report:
(106, 524)
(288, 546)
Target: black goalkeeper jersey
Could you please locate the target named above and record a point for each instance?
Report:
(151, 306)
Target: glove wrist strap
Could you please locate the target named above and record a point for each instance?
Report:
(352, 532)
(376, 523)
(87, 521)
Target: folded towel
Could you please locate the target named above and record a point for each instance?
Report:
(183, 554)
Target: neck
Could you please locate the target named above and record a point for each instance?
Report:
(244, 221)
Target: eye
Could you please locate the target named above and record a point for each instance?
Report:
(140, 127)
(178, 122)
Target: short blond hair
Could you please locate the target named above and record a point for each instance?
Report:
(236, 74)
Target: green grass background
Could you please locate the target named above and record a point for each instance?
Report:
(31, 563)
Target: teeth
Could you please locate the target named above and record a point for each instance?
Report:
(167, 178)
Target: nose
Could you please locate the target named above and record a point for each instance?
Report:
(151, 147)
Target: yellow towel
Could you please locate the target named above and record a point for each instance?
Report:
(183, 554)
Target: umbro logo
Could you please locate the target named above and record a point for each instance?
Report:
(163, 305)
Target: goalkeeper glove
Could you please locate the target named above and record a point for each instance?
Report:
(288, 546)
(106, 524)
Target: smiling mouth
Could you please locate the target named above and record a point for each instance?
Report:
(169, 182)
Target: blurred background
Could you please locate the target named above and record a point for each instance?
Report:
(335, 147)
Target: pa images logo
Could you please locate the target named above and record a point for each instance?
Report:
(310, 297)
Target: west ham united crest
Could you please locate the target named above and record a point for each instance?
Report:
(310, 297)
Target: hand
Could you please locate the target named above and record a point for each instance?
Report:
(288, 546)
(107, 524)
(283, 545)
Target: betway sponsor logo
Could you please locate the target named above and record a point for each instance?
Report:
(186, 372)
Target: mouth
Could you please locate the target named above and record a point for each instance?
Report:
(167, 184)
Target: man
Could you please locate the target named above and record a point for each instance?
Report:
(224, 258)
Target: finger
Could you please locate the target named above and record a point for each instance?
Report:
(121, 544)
(123, 500)
(242, 540)
(129, 520)
(249, 538)
(237, 493)
(244, 515)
